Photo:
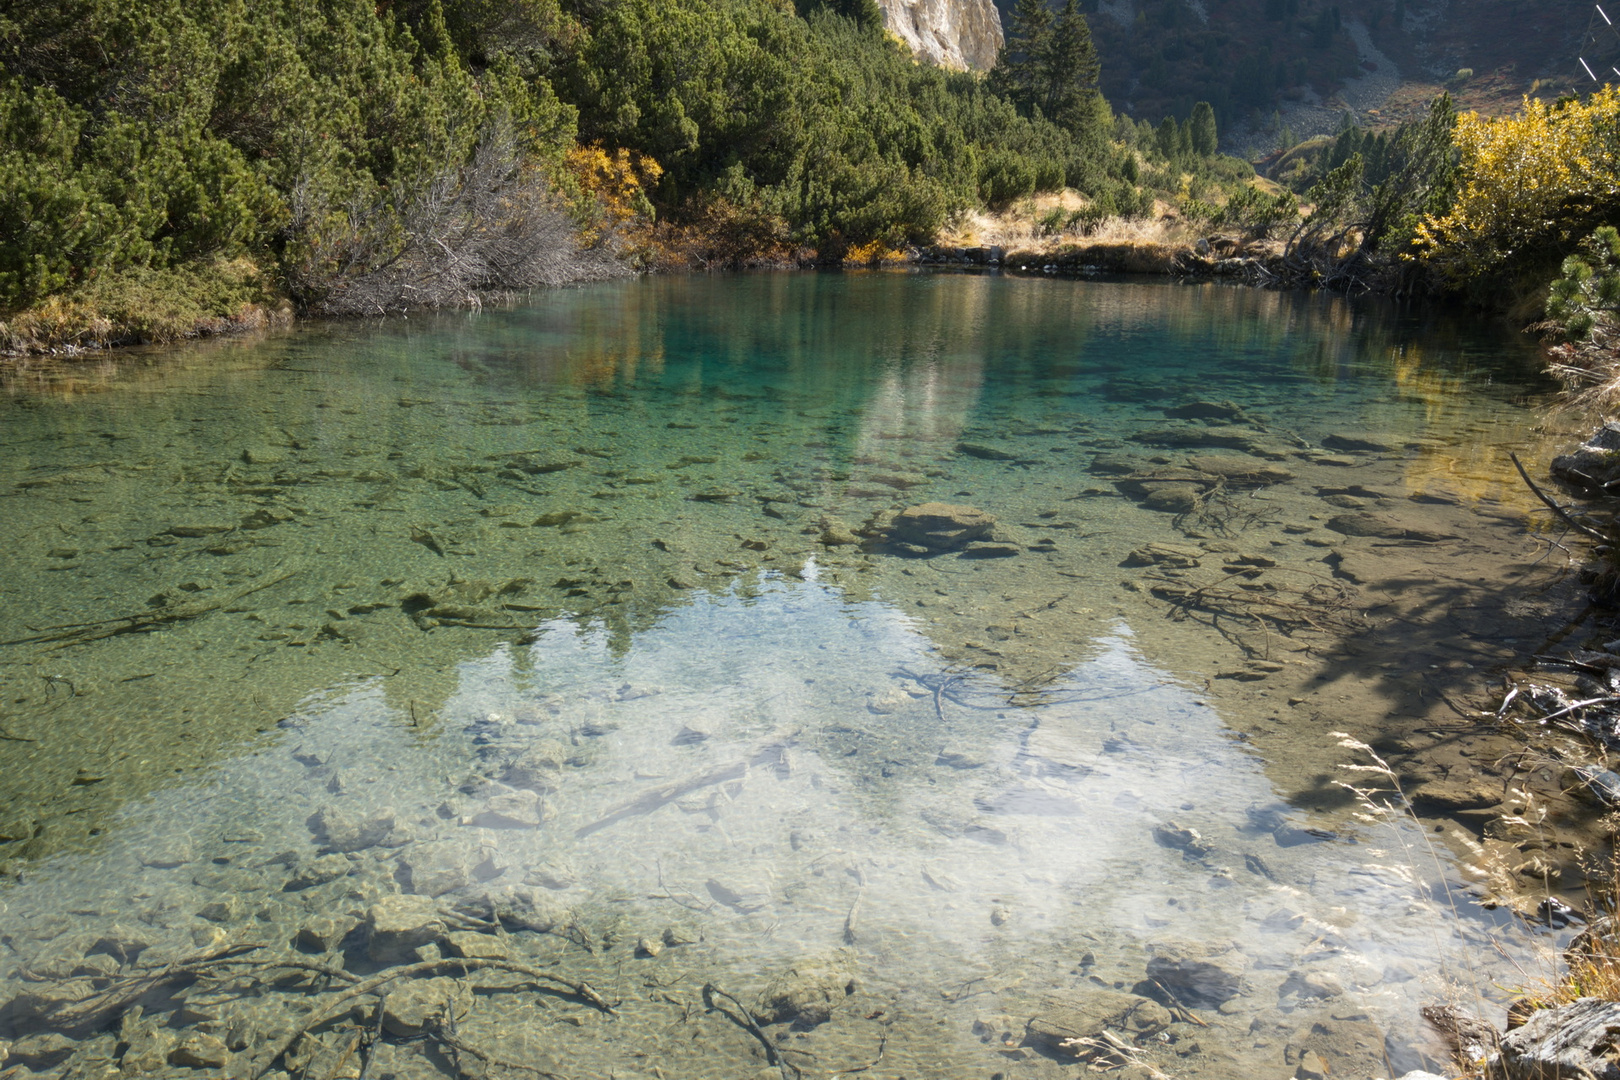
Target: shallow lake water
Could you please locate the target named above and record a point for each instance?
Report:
(583, 638)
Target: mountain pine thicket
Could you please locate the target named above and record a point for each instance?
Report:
(165, 164)
(358, 156)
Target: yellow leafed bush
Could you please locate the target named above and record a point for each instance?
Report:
(1529, 185)
(617, 182)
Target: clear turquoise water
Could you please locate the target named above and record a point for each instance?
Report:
(395, 572)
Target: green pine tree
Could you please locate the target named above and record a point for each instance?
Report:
(1204, 135)
(1067, 69)
(1017, 74)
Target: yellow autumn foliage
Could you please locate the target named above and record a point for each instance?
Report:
(617, 182)
(1534, 182)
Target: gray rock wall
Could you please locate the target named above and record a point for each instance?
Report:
(951, 33)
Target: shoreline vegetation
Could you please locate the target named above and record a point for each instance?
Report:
(178, 170)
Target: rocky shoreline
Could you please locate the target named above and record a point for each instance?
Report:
(1255, 262)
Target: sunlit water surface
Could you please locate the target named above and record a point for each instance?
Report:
(531, 613)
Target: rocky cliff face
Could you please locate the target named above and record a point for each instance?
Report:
(951, 33)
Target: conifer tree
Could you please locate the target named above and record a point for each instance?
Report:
(1068, 69)
(1048, 65)
(1017, 74)
(1204, 134)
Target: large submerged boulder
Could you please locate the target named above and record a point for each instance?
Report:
(941, 526)
(807, 993)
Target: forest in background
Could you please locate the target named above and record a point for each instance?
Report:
(172, 167)
(169, 165)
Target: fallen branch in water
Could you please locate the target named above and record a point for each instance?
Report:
(747, 1023)
(139, 623)
(105, 1005)
(1551, 504)
(333, 1008)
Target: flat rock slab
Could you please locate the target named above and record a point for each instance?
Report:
(942, 526)
(1382, 528)
(1198, 973)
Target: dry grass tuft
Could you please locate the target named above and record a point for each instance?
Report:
(1020, 226)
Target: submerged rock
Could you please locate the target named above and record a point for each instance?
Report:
(413, 1006)
(42, 1051)
(1383, 528)
(537, 766)
(807, 993)
(836, 533)
(1173, 498)
(396, 926)
(323, 933)
(1239, 470)
(983, 452)
(436, 867)
(941, 526)
(1174, 836)
(199, 1050)
(351, 830)
(1169, 556)
(319, 872)
(1362, 443)
(520, 906)
(1207, 410)
(519, 809)
(1196, 972)
(471, 943)
(148, 1051)
(1080, 1016)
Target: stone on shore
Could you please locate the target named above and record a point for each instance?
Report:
(1596, 464)
(1572, 1040)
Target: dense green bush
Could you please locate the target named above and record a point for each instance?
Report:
(171, 132)
(1587, 290)
(340, 142)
